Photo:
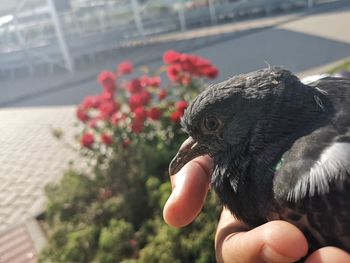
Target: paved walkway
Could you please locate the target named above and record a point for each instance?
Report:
(30, 157)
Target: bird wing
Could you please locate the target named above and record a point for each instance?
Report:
(311, 166)
(312, 186)
(331, 168)
(322, 156)
(312, 78)
(317, 201)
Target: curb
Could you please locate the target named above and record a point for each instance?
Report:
(322, 69)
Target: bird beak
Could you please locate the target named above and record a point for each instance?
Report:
(189, 150)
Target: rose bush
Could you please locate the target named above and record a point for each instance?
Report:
(127, 110)
(130, 131)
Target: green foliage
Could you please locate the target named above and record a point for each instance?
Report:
(343, 66)
(194, 243)
(67, 200)
(114, 242)
(115, 216)
(163, 246)
(101, 233)
(71, 243)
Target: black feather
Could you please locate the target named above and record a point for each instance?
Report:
(269, 116)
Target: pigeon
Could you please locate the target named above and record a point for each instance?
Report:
(280, 148)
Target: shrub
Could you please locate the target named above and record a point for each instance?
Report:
(130, 132)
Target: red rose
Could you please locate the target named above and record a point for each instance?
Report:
(91, 102)
(134, 86)
(181, 105)
(82, 114)
(107, 109)
(144, 81)
(211, 72)
(189, 67)
(107, 80)
(140, 114)
(173, 72)
(137, 126)
(135, 101)
(133, 243)
(162, 94)
(116, 117)
(105, 193)
(106, 139)
(201, 63)
(87, 140)
(185, 57)
(154, 113)
(145, 97)
(176, 116)
(125, 67)
(154, 81)
(126, 143)
(184, 66)
(170, 57)
(92, 123)
(106, 95)
(185, 80)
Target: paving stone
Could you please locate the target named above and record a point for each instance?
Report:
(30, 157)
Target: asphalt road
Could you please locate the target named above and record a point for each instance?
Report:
(286, 44)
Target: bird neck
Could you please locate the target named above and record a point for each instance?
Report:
(298, 112)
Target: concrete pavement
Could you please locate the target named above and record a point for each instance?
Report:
(30, 157)
(332, 26)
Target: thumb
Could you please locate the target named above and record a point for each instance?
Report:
(190, 187)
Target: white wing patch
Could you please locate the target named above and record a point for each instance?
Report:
(312, 78)
(332, 166)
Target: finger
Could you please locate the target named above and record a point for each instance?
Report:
(190, 187)
(276, 241)
(329, 254)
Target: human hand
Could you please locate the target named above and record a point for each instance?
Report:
(275, 241)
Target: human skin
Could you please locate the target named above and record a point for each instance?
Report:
(276, 241)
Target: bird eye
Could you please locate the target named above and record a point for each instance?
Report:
(211, 124)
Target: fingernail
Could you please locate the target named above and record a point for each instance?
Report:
(270, 255)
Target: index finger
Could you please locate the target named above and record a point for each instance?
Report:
(275, 241)
(190, 187)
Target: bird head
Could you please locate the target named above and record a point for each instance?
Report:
(226, 116)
